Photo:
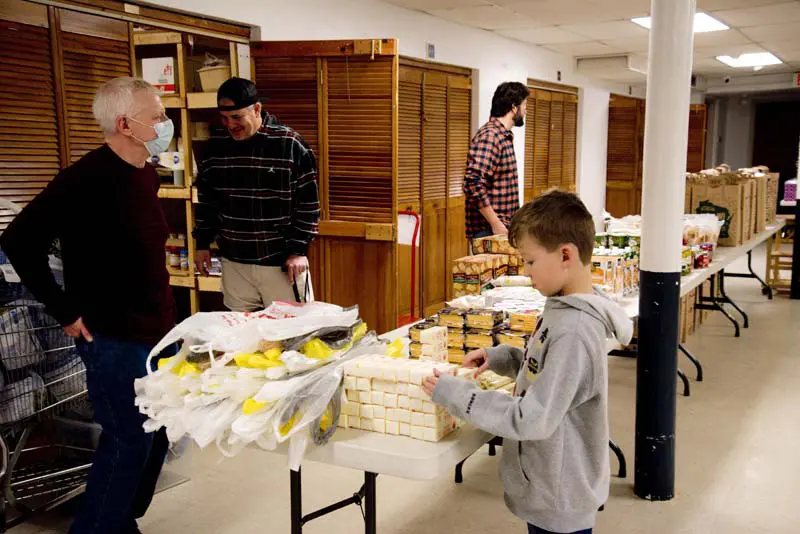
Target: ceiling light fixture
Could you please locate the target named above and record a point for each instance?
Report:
(703, 22)
(760, 59)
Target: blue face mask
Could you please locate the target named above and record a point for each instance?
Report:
(164, 131)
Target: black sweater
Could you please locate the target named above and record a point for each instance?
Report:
(112, 230)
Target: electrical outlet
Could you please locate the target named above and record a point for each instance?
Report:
(430, 50)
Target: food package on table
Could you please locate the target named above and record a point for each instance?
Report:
(456, 355)
(524, 320)
(456, 338)
(415, 330)
(489, 380)
(687, 261)
(501, 262)
(477, 338)
(514, 265)
(452, 318)
(513, 338)
(254, 378)
(467, 290)
(512, 281)
(415, 350)
(474, 270)
(390, 398)
(497, 244)
(485, 319)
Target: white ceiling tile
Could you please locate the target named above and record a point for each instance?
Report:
(729, 50)
(714, 5)
(557, 12)
(781, 45)
(773, 31)
(546, 35)
(619, 29)
(758, 16)
(438, 4)
(638, 44)
(486, 17)
(723, 38)
(589, 48)
(790, 56)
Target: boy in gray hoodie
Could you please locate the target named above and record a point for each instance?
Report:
(555, 466)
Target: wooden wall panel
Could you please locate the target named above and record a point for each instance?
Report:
(570, 141)
(696, 150)
(434, 255)
(459, 122)
(358, 273)
(410, 140)
(625, 127)
(89, 62)
(29, 150)
(360, 96)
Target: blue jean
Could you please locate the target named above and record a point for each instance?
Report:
(536, 530)
(127, 461)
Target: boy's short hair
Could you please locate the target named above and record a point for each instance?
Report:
(553, 219)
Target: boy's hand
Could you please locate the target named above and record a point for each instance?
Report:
(476, 359)
(429, 384)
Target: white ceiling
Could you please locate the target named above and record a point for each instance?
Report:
(583, 28)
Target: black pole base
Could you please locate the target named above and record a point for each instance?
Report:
(656, 388)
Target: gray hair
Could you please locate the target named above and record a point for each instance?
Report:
(117, 97)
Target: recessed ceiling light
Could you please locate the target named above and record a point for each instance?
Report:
(760, 59)
(703, 22)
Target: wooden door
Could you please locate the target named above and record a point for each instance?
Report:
(624, 169)
(344, 95)
(551, 130)
(29, 143)
(696, 150)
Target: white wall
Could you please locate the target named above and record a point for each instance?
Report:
(737, 132)
(495, 58)
(592, 150)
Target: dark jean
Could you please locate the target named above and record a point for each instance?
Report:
(128, 460)
(536, 530)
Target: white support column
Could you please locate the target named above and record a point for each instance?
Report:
(665, 143)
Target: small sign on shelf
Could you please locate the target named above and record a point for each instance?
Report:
(160, 72)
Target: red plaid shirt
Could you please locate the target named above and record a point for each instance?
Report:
(491, 178)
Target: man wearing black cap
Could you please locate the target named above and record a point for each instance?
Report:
(257, 193)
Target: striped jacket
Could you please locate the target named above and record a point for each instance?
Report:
(258, 198)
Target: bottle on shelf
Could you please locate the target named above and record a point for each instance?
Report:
(184, 260)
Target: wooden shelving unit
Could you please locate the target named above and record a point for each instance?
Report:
(183, 47)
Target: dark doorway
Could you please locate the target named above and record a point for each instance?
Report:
(777, 135)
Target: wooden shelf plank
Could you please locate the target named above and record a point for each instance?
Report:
(183, 280)
(171, 101)
(209, 283)
(180, 193)
(156, 38)
(201, 100)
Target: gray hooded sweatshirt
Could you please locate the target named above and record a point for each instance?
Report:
(555, 467)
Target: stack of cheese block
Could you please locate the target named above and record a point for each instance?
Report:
(428, 342)
(385, 395)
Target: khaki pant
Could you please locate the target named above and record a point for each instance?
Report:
(255, 287)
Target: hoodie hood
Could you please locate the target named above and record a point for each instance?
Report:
(618, 324)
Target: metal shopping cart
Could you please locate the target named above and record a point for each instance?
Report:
(41, 378)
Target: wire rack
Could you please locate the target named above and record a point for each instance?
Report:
(41, 376)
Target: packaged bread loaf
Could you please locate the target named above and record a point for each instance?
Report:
(485, 319)
(513, 338)
(456, 355)
(415, 330)
(415, 350)
(456, 338)
(452, 318)
(524, 321)
(480, 339)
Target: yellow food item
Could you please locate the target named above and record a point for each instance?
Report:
(252, 406)
(317, 349)
(395, 349)
(326, 420)
(286, 427)
(164, 361)
(187, 369)
(258, 360)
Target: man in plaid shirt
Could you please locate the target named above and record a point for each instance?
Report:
(491, 182)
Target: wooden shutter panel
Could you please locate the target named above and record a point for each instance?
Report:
(625, 133)
(360, 134)
(541, 146)
(530, 147)
(29, 151)
(290, 87)
(459, 118)
(555, 150)
(434, 136)
(569, 142)
(89, 62)
(410, 138)
(695, 158)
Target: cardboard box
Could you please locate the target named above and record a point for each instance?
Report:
(160, 72)
(772, 196)
(727, 202)
(760, 222)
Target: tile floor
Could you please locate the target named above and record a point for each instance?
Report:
(736, 455)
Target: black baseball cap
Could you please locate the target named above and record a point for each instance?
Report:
(241, 92)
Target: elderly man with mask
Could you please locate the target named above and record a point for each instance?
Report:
(258, 198)
(116, 312)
